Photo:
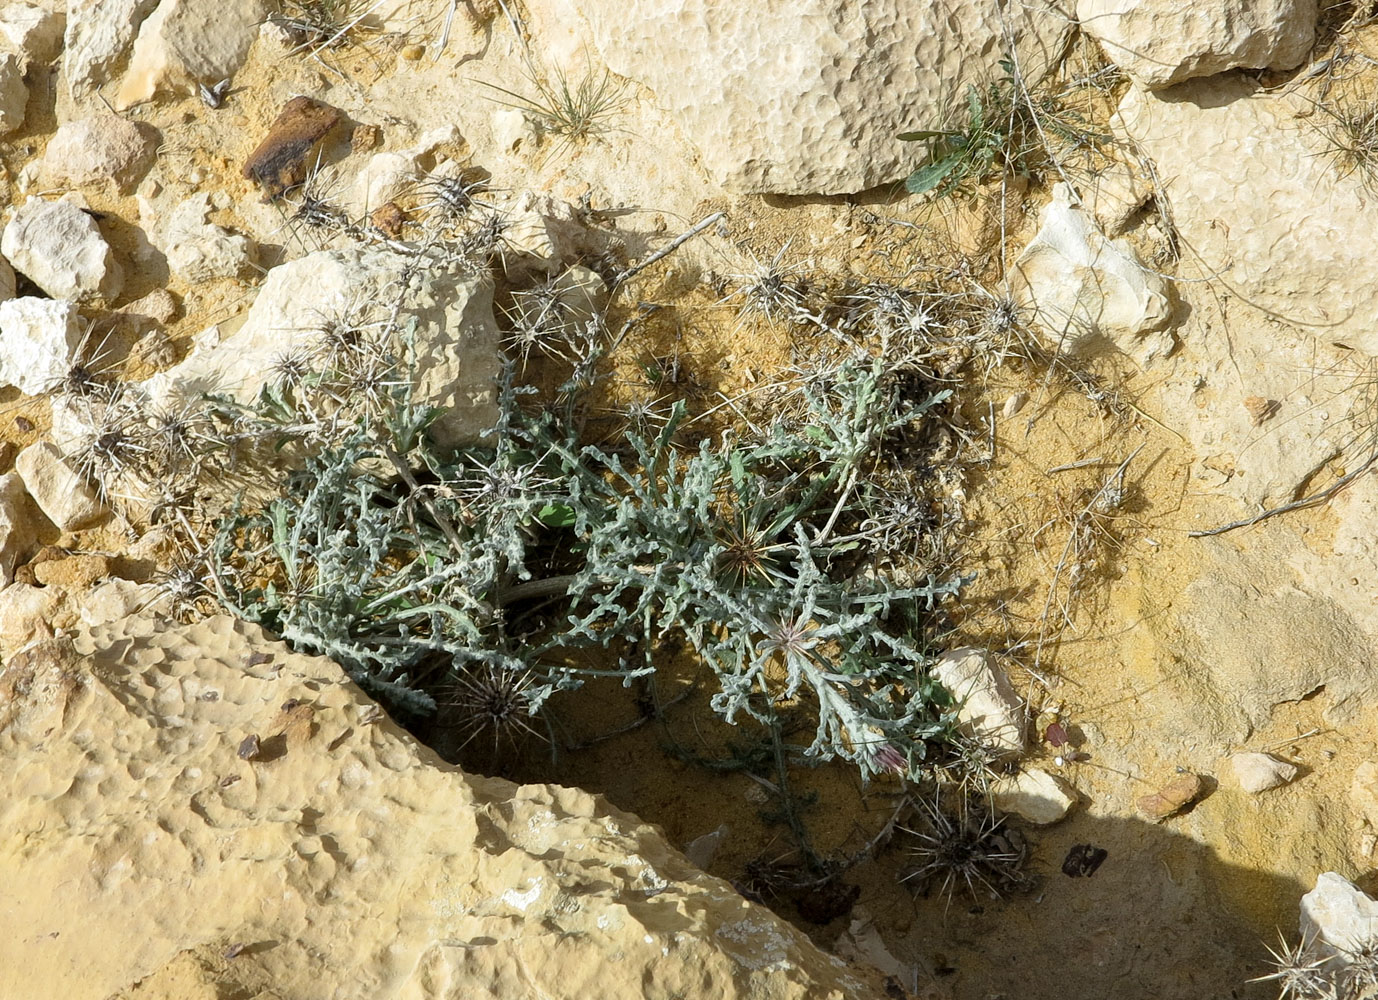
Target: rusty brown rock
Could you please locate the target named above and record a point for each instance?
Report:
(365, 138)
(1172, 798)
(389, 219)
(282, 159)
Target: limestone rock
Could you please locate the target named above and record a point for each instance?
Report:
(98, 36)
(28, 614)
(38, 340)
(1115, 194)
(456, 337)
(1264, 211)
(9, 286)
(373, 868)
(1162, 42)
(988, 706)
(14, 93)
(18, 525)
(1086, 292)
(1033, 795)
(388, 176)
(197, 250)
(67, 499)
(60, 249)
(189, 42)
(1339, 920)
(116, 599)
(99, 150)
(33, 32)
(543, 229)
(807, 97)
(1258, 772)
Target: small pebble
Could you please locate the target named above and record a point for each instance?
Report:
(1258, 772)
(1172, 798)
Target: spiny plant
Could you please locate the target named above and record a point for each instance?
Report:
(323, 24)
(721, 542)
(963, 847)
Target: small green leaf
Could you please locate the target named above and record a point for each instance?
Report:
(926, 134)
(556, 515)
(925, 179)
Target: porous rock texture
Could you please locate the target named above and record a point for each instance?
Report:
(1162, 42)
(1261, 211)
(794, 97)
(143, 845)
(1261, 206)
(455, 337)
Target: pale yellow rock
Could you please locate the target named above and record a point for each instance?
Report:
(1162, 42)
(455, 339)
(139, 847)
(57, 488)
(987, 704)
(1033, 795)
(1087, 294)
(184, 43)
(1258, 772)
(1264, 211)
(27, 614)
(807, 97)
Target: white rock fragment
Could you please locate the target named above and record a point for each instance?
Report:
(387, 176)
(189, 42)
(988, 706)
(863, 944)
(60, 249)
(102, 149)
(1258, 772)
(1162, 42)
(18, 525)
(98, 36)
(1033, 795)
(455, 338)
(14, 93)
(1087, 293)
(38, 340)
(32, 32)
(62, 494)
(198, 250)
(1339, 920)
